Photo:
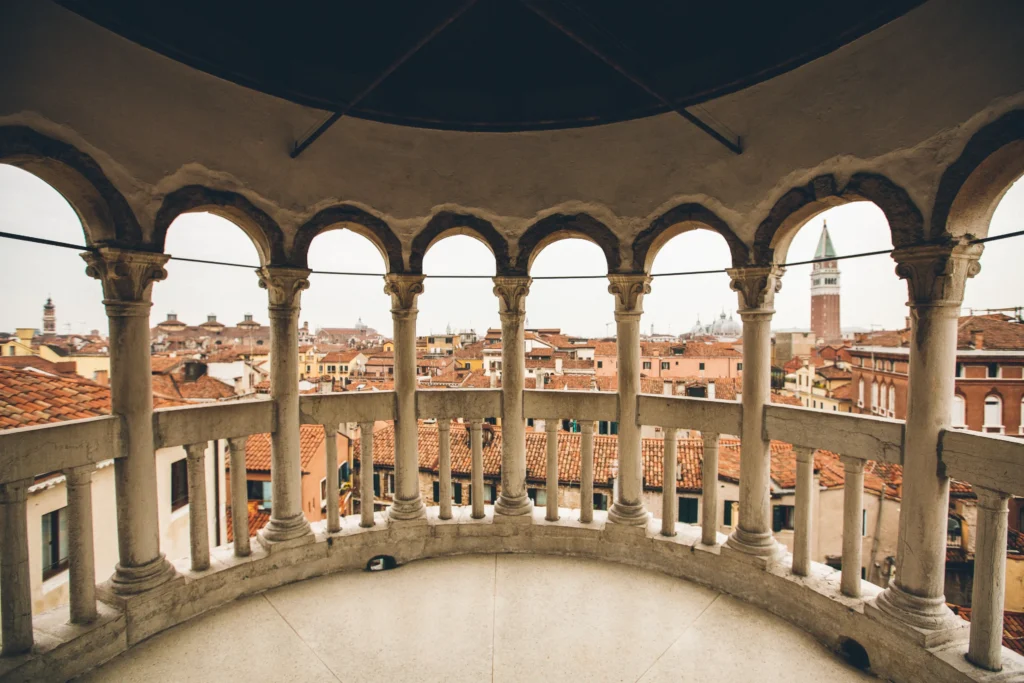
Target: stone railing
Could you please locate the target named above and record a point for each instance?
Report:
(66, 641)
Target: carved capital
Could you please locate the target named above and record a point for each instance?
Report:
(127, 277)
(284, 286)
(629, 290)
(936, 274)
(756, 286)
(512, 293)
(403, 289)
(852, 465)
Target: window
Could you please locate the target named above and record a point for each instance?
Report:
(688, 510)
(665, 365)
(874, 396)
(647, 365)
(701, 366)
(437, 492)
(782, 517)
(389, 483)
(55, 542)
(892, 401)
(179, 484)
(323, 492)
(344, 473)
(993, 370)
(881, 400)
(863, 522)
(538, 496)
(457, 492)
(860, 390)
(376, 484)
(993, 414)
(727, 512)
(739, 366)
(307, 369)
(600, 501)
(959, 369)
(600, 364)
(331, 369)
(488, 493)
(259, 491)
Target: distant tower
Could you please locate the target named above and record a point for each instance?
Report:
(49, 317)
(825, 291)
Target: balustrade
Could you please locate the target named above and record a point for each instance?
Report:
(989, 462)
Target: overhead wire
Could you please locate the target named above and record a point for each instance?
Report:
(880, 252)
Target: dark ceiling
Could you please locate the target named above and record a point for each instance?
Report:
(493, 65)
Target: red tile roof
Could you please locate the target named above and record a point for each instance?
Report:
(173, 385)
(257, 448)
(257, 520)
(998, 333)
(31, 398)
(1013, 627)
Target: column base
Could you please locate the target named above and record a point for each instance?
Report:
(291, 531)
(926, 621)
(759, 549)
(407, 510)
(628, 515)
(518, 509)
(143, 578)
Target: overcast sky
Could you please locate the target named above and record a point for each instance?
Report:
(872, 294)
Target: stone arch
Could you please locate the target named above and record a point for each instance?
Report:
(346, 216)
(800, 204)
(676, 221)
(972, 186)
(448, 223)
(561, 226)
(105, 214)
(265, 233)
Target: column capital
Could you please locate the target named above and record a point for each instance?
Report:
(804, 454)
(587, 427)
(756, 287)
(127, 277)
(629, 290)
(852, 465)
(404, 290)
(511, 292)
(330, 429)
(14, 491)
(78, 476)
(284, 286)
(991, 500)
(936, 274)
(196, 451)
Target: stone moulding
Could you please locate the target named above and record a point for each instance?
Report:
(813, 603)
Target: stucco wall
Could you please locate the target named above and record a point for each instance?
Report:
(901, 101)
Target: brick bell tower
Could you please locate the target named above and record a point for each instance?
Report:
(825, 292)
(49, 317)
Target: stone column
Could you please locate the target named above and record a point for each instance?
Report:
(287, 522)
(629, 290)
(551, 470)
(669, 504)
(239, 497)
(936, 276)
(15, 581)
(127, 278)
(444, 466)
(709, 496)
(752, 536)
(512, 501)
(366, 475)
(476, 426)
(82, 554)
(404, 290)
(804, 517)
(986, 647)
(853, 525)
(198, 526)
(331, 464)
(587, 472)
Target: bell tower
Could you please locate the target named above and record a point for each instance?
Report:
(825, 291)
(49, 317)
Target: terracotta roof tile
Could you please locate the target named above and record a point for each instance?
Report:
(1013, 627)
(257, 448)
(257, 520)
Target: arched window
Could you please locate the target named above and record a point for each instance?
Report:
(958, 419)
(874, 396)
(993, 414)
(860, 391)
(892, 401)
(881, 400)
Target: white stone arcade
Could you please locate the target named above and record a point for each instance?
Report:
(129, 144)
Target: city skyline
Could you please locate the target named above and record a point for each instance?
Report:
(873, 296)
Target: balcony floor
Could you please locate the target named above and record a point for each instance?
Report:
(473, 618)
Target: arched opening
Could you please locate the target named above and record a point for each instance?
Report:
(690, 331)
(855, 654)
(557, 227)
(993, 423)
(958, 418)
(345, 319)
(354, 219)
(33, 207)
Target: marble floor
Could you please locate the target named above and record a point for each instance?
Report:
(484, 617)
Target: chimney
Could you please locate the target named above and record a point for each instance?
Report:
(907, 322)
(194, 370)
(494, 378)
(711, 389)
(558, 366)
(102, 377)
(978, 338)
(540, 378)
(211, 318)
